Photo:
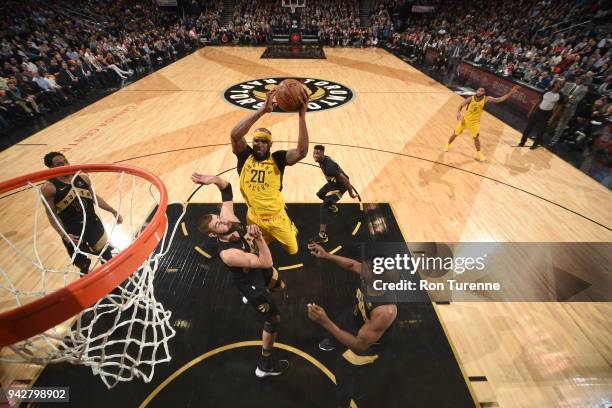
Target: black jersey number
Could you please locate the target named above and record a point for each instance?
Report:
(258, 176)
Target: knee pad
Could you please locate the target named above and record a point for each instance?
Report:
(271, 325)
(329, 201)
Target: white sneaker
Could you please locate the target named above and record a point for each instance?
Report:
(278, 367)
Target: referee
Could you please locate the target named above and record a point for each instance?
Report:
(544, 115)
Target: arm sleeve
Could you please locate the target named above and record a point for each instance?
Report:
(280, 158)
(227, 194)
(242, 157)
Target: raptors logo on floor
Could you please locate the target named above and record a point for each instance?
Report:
(322, 94)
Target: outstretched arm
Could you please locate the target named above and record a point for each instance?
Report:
(505, 97)
(227, 196)
(382, 317)
(343, 262)
(242, 128)
(301, 151)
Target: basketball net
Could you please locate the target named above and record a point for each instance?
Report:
(125, 334)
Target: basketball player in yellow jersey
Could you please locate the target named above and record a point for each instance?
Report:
(470, 120)
(261, 175)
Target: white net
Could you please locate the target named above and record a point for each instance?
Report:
(125, 334)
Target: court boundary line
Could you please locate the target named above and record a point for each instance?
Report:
(370, 149)
(393, 153)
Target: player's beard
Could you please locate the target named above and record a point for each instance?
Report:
(259, 156)
(234, 227)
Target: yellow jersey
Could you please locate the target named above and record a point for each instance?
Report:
(261, 181)
(474, 110)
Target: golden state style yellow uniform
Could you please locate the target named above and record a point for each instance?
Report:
(471, 117)
(261, 182)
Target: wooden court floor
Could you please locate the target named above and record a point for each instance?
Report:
(389, 140)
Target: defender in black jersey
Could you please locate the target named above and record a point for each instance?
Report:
(337, 184)
(72, 201)
(364, 328)
(248, 258)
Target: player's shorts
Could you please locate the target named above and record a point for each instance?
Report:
(331, 192)
(94, 237)
(255, 285)
(472, 127)
(276, 227)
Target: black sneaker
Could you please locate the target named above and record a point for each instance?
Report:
(84, 267)
(321, 238)
(327, 345)
(278, 368)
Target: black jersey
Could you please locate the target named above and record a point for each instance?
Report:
(245, 244)
(363, 310)
(69, 209)
(253, 283)
(332, 171)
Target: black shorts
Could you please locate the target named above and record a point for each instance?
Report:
(94, 237)
(331, 192)
(255, 286)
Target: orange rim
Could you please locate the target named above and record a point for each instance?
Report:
(56, 307)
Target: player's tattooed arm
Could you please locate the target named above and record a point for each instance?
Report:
(242, 128)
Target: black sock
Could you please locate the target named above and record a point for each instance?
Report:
(265, 360)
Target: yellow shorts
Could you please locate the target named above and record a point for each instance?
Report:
(472, 127)
(279, 227)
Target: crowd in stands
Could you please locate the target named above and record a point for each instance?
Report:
(53, 55)
(511, 40)
(507, 38)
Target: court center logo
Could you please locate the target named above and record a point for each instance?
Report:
(322, 94)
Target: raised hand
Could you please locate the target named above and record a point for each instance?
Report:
(268, 106)
(317, 251)
(317, 313)
(205, 179)
(304, 106)
(254, 231)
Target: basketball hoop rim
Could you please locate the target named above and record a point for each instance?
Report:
(40, 315)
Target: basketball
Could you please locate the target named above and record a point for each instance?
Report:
(289, 95)
(439, 152)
